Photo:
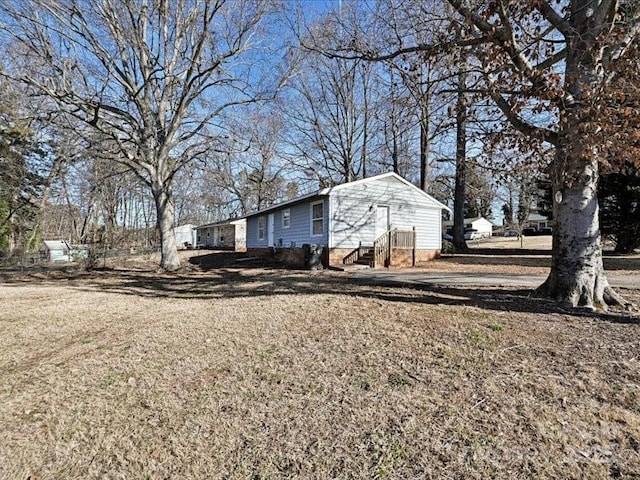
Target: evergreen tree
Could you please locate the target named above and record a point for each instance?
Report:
(619, 197)
(20, 186)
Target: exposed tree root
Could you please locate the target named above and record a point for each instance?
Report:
(613, 298)
(585, 300)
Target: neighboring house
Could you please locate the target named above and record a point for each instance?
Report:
(536, 221)
(228, 235)
(344, 218)
(185, 235)
(56, 251)
(481, 224)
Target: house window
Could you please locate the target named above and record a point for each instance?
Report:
(317, 218)
(286, 218)
(260, 228)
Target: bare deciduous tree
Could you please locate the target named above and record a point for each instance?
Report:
(153, 76)
(330, 117)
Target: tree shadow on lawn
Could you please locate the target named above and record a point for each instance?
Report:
(534, 258)
(228, 283)
(220, 275)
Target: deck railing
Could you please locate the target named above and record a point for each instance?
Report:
(391, 240)
(403, 239)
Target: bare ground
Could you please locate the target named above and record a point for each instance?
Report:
(231, 372)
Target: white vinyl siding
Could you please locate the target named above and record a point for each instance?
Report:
(353, 213)
(345, 216)
(317, 219)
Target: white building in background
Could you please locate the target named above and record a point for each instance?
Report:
(483, 226)
(185, 235)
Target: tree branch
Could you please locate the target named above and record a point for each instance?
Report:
(554, 18)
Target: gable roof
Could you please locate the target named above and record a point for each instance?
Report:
(536, 217)
(395, 176)
(56, 245)
(468, 220)
(343, 186)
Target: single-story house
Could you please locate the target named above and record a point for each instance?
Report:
(227, 235)
(536, 221)
(481, 224)
(56, 251)
(381, 220)
(185, 235)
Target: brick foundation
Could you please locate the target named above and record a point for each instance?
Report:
(290, 257)
(424, 256)
(337, 254)
(403, 258)
(400, 258)
(260, 252)
(294, 257)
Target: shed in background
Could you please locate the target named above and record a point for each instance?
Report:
(185, 235)
(55, 251)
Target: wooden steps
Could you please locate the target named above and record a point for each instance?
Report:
(365, 259)
(361, 257)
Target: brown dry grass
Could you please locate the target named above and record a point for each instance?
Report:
(273, 374)
(509, 255)
(542, 242)
(521, 264)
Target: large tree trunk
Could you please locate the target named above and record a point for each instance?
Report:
(163, 196)
(577, 277)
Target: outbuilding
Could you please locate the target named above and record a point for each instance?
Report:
(185, 235)
(55, 251)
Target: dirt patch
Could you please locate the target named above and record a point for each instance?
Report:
(267, 373)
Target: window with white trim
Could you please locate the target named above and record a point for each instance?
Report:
(261, 228)
(286, 218)
(317, 218)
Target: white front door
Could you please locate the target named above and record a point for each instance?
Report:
(382, 219)
(270, 230)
